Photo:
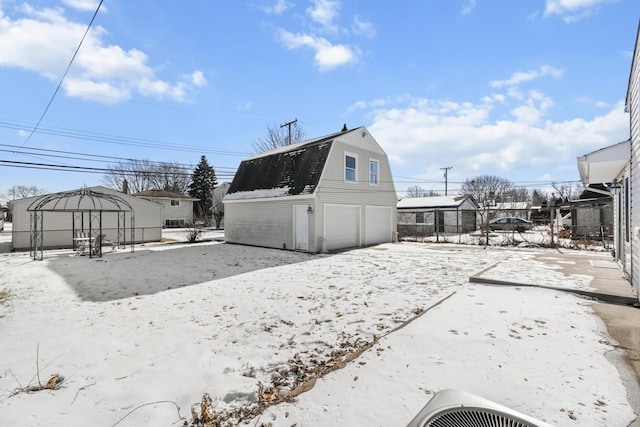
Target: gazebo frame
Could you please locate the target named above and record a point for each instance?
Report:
(86, 207)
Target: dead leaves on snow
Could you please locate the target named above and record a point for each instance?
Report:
(54, 383)
(297, 376)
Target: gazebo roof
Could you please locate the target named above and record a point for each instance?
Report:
(81, 200)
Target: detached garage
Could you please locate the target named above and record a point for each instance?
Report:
(325, 194)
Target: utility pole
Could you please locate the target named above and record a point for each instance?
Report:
(288, 124)
(445, 178)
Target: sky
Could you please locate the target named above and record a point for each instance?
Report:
(515, 89)
(149, 331)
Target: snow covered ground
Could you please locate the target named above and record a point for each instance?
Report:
(137, 335)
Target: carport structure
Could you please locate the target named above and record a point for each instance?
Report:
(87, 208)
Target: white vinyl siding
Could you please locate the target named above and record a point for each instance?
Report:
(263, 222)
(633, 190)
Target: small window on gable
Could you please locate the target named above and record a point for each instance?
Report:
(373, 172)
(419, 217)
(350, 163)
(175, 202)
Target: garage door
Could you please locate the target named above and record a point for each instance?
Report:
(378, 224)
(341, 226)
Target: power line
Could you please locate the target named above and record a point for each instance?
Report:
(64, 75)
(86, 169)
(123, 140)
(98, 157)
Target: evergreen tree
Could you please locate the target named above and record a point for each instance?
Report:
(203, 181)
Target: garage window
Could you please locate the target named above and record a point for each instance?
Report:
(175, 202)
(373, 172)
(350, 163)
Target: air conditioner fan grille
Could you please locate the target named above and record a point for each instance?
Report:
(463, 417)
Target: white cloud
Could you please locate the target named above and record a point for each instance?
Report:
(526, 76)
(468, 7)
(43, 41)
(88, 5)
(327, 55)
(573, 10)
(363, 27)
(279, 7)
(324, 12)
(245, 107)
(478, 138)
(97, 91)
(197, 78)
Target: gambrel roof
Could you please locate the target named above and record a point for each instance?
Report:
(285, 171)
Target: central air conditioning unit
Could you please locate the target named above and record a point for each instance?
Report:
(459, 408)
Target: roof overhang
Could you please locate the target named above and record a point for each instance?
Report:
(605, 165)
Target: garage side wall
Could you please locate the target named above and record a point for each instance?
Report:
(264, 222)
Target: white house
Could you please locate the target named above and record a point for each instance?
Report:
(178, 208)
(423, 216)
(509, 209)
(328, 193)
(618, 168)
(58, 226)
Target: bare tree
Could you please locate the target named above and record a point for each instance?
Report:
(218, 207)
(539, 198)
(136, 172)
(144, 175)
(570, 191)
(278, 136)
(516, 194)
(170, 177)
(22, 191)
(417, 191)
(486, 188)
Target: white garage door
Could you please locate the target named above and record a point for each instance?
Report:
(378, 224)
(341, 226)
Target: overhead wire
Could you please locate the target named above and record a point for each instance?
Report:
(64, 75)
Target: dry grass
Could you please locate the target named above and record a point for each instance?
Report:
(4, 295)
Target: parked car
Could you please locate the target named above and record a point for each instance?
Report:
(566, 221)
(510, 224)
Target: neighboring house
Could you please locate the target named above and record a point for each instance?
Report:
(58, 227)
(328, 193)
(611, 166)
(618, 167)
(178, 208)
(510, 209)
(590, 219)
(422, 216)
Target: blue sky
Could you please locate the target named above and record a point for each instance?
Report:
(516, 89)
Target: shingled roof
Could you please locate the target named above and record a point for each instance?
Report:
(161, 194)
(282, 172)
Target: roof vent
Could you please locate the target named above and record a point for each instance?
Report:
(454, 408)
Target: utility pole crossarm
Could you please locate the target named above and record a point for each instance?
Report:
(288, 124)
(446, 169)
